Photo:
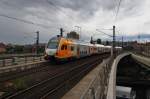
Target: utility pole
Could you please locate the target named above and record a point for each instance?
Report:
(91, 40)
(37, 42)
(122, 41)
(114, 41)
(80, 32)
(139, 38)
(61, 32)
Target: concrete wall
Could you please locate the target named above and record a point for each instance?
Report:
(100, 83)
(111, 94)
(141, 59)
(93, 85)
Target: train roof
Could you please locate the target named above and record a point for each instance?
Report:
(99, 45)
(108, 46)
(118, 47)
(82, 43)
(79, 42)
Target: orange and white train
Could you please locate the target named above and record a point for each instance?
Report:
(62, 49)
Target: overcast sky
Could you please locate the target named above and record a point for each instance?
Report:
(49, 15)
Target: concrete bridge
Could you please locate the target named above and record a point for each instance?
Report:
(127, 70)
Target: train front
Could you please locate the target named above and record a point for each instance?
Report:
(51, 49)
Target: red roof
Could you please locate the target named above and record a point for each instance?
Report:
(2, 45)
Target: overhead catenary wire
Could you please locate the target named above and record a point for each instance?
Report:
(104, 33)
(51, 3)
(8, 4)
(115, 19)
(116, 14)
(25, 21)
(114, 10)
(118, 8)
(108, 34)
(30, 22)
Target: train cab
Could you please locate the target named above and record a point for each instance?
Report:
(59, 48)
(51, 48)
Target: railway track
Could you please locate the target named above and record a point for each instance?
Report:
(16, 74)
(58, 84)
(45, 66)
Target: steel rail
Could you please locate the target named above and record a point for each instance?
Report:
(22, 72)
(50, 83)
(71, 80)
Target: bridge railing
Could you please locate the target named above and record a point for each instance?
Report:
(99, 85)
(19, 59)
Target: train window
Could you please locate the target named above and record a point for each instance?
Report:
(53, 43)
(62, 47)
(65, 47)
(72, 48)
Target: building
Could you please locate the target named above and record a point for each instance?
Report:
(2, 48)
(73, 35)
(142, 48)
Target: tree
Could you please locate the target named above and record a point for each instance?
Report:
(99, 41)
(91, 41)
(107, 42)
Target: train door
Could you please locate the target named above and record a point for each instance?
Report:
(72, 50)
(63, 52)
(89, 50)
(78, 51)
(69, 50)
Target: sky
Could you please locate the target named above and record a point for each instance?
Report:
(48, 16)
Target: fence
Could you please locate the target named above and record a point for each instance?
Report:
(19, 59)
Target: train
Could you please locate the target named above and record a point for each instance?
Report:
(63, 49)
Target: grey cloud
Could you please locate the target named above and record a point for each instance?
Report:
(132, 7)
(55, 15)
(87, 5)
(85, 8)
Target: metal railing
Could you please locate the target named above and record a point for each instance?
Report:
(19, 59)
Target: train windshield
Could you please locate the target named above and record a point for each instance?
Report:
(53, 43)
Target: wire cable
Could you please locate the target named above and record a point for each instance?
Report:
(51, 3)
(25, 21)
(104, 33)
(118, 8)
(12, 6)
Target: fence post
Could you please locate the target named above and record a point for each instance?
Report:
(25, 59)
(13, 61)
(40, 58)
(3, 62)
(33, 58)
